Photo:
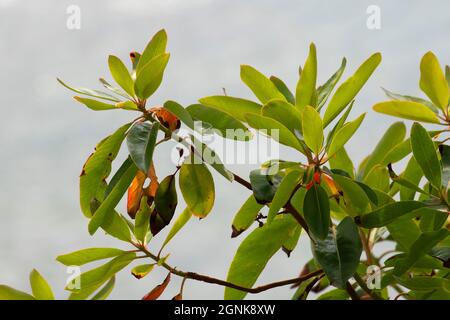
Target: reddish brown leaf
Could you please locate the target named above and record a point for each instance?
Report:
(150, 191)
(167, 119)
(135, 194)
(330, 183)
(158, 290)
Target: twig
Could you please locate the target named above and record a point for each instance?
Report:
(366, 247)
(363, 286)
(351, 292)
(208, 279)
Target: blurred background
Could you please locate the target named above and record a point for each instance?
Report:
(46, 136)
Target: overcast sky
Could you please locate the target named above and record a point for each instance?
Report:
(46, 136)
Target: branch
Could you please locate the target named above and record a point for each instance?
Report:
(363, 286)
(351, 292)
(208, 279)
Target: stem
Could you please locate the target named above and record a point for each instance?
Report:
(208, 279)
(363, 286)
(366, 247)
(351, 292)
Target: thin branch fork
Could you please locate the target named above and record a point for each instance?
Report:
(208, 279)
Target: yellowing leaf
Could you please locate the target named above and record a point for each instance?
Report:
(306, 86)
(408, 110)
(312, 129)
(261, 86)
(433, 82)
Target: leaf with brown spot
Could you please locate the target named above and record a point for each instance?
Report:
(167, 119)
(158, 290)
(135, 193)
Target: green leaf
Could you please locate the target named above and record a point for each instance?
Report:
(393, 136)
(341, 160)
(114, 89)
(197, 187)
(339, 253)
(431, 219)
(388, 213)
(339, 124)
(141, 141)
(142, 270)
(119, 173)
(150, 77)
(260, 85)
(433, 82)
(155, 47)
(236, 107)
(312, 129)
(8, 293)
(246, 215)
(423, 283)
(211, 158)
(298, 199)
(316, 209)
(121, 74)
(292, 242)
(404, 231)
(142, 220)
(181, 113)
(425, 153)
(91, 280)
(90, 92)
(336, 294)
(40, 287)
(166, 199)
(264, 185)
(445, 157)
(275, 130)
(182, 219)
(306, 86)
(117, 226)
(283, 88)
(97, 168)
(283, 193)
(378, 178)
(226, 125)
(127, 105)
(350, 88)
(284, 113)
(81, 257)
(344, 134)
(397, 153)
(441, 253)
(413, 174)
(105, 212)
(407, 110)
(104, 292)
(95, 104)
(254, 253)
(425, 242)
(324, 91)
(396, 96)
(404, 182)
(356, 201)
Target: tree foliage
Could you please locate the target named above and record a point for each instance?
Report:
(344, 210)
